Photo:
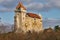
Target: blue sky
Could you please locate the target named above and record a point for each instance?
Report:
(49, 9)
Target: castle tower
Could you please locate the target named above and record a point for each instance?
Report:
(20, 13)
(26, 22)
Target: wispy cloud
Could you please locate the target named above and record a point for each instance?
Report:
(6, 10)
(7, 5)
(54, 3)
(50, 22)
(39, 5)
(35, 6)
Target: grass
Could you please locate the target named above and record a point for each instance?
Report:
(45, 35)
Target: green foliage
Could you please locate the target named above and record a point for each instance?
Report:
(57, 28)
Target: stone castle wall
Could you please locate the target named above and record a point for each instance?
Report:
(29, 24)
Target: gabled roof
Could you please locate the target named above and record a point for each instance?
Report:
(33, 15)
(20, 5)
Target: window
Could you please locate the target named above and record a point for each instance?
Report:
(34, 23)
(17, 13)
(26, 15)
(26, 25)
(18, 8)
(34, 18)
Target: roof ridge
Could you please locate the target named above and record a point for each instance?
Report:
(33, 15)
(20, 5)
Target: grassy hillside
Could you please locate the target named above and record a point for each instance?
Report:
(47, 34)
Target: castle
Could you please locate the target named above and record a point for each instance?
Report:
(25, 22)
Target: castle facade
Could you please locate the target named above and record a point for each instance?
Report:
(25, 21)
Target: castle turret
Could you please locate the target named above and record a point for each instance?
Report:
(26, 22)
(20, 13)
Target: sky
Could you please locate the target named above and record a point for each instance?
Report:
(49, 9)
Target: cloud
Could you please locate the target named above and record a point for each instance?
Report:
(50, 22)
(54, 3)
(35, 6)
(51, 19)
(28, 1)
(8, 3)
(6, 27)
(5, 10)
(44, 5)
(31, 1)
(38, 5)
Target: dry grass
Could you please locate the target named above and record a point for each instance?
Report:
(45, 35)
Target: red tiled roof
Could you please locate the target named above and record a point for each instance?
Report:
(33, 15)
(20, 5)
